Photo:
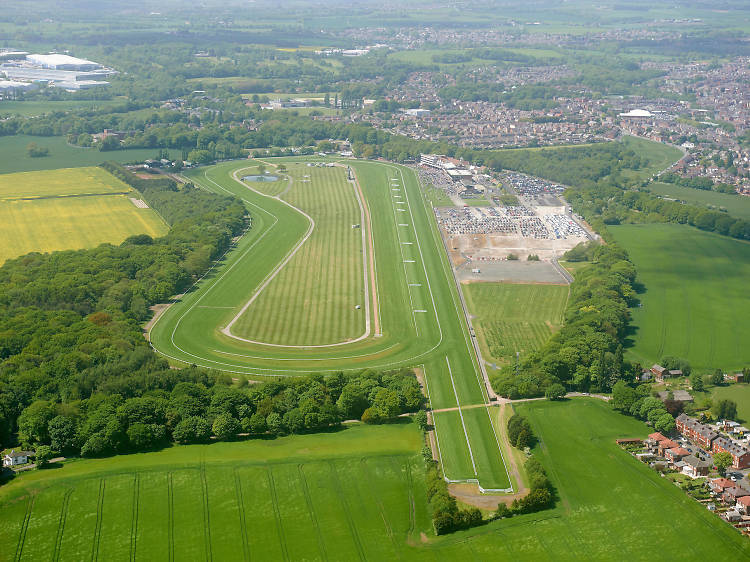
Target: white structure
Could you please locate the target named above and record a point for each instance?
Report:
(10, 86)
(62, 62)
(14, 458)
(637, 113)
(418, 112)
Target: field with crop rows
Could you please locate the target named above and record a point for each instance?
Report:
(68, 209)
(514, 318)
(324, 282)
(358, 493)
(695, 302)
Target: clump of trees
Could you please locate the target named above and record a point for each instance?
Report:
(520, 433)
(36, 151)
(541, 494)
(638, 402)
(446, 515)
(192, 405)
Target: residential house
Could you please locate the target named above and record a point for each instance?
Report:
(696, 431)
(694, 467)
(676, 454)
(732, 516)
(740, 454)
(658, 372)
(731, 495)
(719, 485)
(665, 446)
(14, 458)
(743, 505)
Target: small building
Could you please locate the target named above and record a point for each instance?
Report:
(732, 516)
(731, 495)
(646, 376)
(719, 485)
(16, 457)
(743, 505)
(658, 371)
(665, 446)
(676, 454)
(694, 467)
(734, 377)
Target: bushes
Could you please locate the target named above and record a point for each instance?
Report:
(541, 494)
(446, 516)
(519, 432)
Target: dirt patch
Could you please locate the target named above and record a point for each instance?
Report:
(511, 272)
(158, 310)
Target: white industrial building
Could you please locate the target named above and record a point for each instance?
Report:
(62, 62)
(10, 87)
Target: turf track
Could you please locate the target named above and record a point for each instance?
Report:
(419, 311)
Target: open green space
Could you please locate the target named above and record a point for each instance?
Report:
(514, 318)
(695, 302)
(33, 108)
(736, 205)
(61, 154)
(418, 306)
(660, 156)
(324, 281)
(69, 209)
(739, 393)
(357, 493)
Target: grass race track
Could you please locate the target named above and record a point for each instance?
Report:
(355, 494)
(695, 303)
(512, 318)
(68, 209)
(413, 298)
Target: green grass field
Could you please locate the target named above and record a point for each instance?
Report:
(736, 205)
(355, 494)
(69, 209)
(62, 155)
(324, 281)
(418, 303)
(740, 393)
(514, 318)
(695, 303)
(659, 154)
(33, 108)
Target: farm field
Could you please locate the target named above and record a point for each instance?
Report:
(695, 304)
(324, 281)
(61, 154)
(512, 318)
(358, 493)
(29, 108)
(68, 209)
(736, 205)
(418, 308)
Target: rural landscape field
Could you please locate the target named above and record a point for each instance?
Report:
(374, 281)
(693, 308)
(69, 209)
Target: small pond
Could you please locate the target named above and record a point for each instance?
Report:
(266, 177)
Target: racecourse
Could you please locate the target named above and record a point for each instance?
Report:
(418, 309)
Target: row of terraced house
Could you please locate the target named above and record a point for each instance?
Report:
(712, 441)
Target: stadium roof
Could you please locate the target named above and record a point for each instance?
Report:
(58, 60)
(637, 113)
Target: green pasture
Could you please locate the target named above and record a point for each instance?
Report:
(736, 205)
(324, 281)
(32, 108)
(660, 155)
(61, 154)
(358, 493)
(418, 307)
(739, 393)
(695, 302)
(512, 318)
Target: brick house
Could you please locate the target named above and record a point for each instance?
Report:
(718, 485)
(694, 467)
(665, 446)
(740, 454)
(676, 454)
(731, 495)
(694, 430)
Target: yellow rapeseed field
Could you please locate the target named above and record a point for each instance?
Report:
(68, 209)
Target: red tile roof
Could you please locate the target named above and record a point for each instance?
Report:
(657, 436)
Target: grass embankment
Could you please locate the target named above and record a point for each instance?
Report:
(357, 493)
(514, 318)
(324, 281)
(660, 156)
(61, 154)
(34, 108)
(68, 209)
(736, 205)
(695, 302)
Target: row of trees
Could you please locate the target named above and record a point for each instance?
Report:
(196, 405)
(704, 183)
(587, 353)
(541, 494)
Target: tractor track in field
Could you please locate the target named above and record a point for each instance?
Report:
(24, 528)
(134, 516)
(241, 512)
(61, 524)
